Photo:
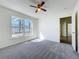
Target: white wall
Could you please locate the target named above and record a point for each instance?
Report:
(76, 9)
(49, 25)
(49, 28)
(5, 29)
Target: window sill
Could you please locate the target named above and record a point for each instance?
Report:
(19, 36)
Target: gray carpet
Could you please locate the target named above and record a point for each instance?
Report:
(39, 50)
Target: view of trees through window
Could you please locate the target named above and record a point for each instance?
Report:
(20, 25)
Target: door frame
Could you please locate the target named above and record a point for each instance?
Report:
(67, 21)
(76, 31)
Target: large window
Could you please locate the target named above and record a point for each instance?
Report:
(15, 22)
(20, 26)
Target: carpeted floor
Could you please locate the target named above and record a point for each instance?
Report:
(39, 50)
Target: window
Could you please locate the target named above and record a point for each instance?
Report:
(20, 26)
(26, 26)
(15, 23)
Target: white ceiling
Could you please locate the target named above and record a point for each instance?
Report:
(56, 6)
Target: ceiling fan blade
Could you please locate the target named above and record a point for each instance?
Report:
(43, 9)
(42, 3)
(36, 11)
(32, 6)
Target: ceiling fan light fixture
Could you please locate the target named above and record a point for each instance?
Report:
(39, 9)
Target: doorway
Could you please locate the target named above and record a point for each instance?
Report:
(65, 30)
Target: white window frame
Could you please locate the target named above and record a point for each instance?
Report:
(23, 33)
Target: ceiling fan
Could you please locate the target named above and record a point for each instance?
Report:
(39, 7)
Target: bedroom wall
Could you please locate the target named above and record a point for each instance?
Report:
(76, 9)
(49, 25)
(5, 29)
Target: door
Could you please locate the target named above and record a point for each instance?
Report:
(76, 32)
(65, 30)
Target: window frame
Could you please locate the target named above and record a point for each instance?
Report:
(22, 28)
